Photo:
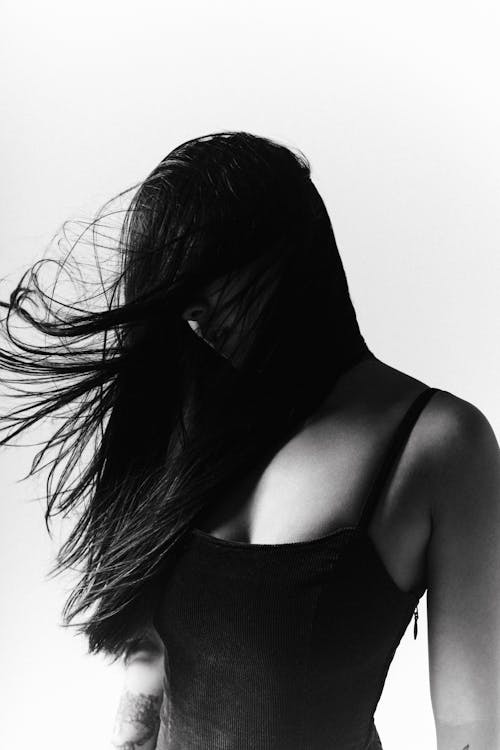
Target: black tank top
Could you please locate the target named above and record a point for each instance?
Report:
(282, 646)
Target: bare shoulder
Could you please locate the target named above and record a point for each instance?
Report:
(461, 451)
(451, 428)
(453, 446)
(454, 418)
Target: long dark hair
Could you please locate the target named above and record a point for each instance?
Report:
(155, 423)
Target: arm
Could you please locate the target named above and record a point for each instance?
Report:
(463, 600)
(138, 717)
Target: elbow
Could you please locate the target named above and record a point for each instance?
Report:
(482, 734)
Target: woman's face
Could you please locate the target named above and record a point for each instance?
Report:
(215, 314)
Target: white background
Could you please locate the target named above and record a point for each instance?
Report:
(396, 106)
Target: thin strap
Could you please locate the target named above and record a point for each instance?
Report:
(398, 442)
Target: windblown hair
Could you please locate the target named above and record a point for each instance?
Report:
(154, 423)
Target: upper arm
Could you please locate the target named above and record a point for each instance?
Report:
(463, 598)
(145, 664)
(138, 715)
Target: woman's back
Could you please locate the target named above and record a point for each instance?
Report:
(285, 643)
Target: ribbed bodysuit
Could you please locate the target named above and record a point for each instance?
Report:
(282, 646)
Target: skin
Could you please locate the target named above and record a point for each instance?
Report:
(138, 718)
(137, 722)
(463, 600)
(441, 510)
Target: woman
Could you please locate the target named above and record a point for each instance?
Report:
(264, 501)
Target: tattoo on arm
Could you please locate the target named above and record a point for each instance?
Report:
(142, 713)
